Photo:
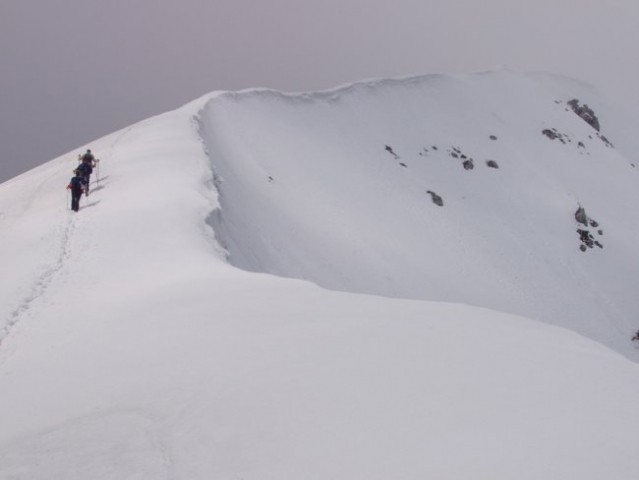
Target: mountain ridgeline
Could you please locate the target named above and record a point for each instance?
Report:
(131, 347)
(515, 192)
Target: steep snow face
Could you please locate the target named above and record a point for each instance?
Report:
(459, 189)
(130, 348)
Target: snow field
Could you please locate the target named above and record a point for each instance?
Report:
(135, 350)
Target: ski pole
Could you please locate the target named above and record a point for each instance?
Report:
(67, 202)
(97, 172)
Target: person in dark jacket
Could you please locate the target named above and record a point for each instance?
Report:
(84, 171)
(88, 157)
(87, 163)
(76, 187)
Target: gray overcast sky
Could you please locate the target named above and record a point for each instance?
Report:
(75, 70)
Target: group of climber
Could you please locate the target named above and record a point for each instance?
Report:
(79, 184)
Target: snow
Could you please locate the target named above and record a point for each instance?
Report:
(309, 190)
(133, 347)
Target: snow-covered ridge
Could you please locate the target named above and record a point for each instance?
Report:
(335, 93)
(336, 187)
(131, 348)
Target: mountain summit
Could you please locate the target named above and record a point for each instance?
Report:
(436, 279)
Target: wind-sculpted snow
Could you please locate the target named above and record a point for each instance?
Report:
(336, 188)
(134, 349)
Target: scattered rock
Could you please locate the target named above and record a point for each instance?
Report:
(492, 163)
(493, 137)
(390, 150)
(606, 141)
(588, 115)
(580, 216)
(437, 200)
(403, 164)
(586, 238)
(455, 152)
(553, 134)
(585, 113)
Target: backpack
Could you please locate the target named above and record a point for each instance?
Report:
(85, 168)
(76, 183)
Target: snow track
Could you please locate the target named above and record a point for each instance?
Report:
(135, 351)
(42, 282)
(35, 225)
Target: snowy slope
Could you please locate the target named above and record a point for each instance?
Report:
(333, 188)
(131, 348)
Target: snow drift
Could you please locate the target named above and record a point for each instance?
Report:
(131, 348)
(338, 187)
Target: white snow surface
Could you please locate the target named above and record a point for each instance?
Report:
(409, 340)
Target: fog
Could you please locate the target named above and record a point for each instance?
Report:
(75, 70)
